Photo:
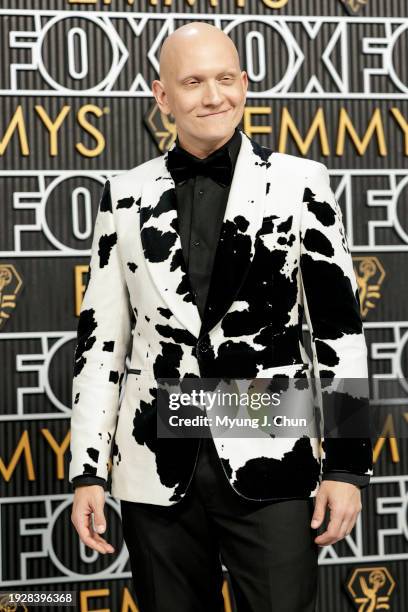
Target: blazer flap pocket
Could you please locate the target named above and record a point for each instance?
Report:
(268, 225)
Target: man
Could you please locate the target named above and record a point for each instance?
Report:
(203, 262)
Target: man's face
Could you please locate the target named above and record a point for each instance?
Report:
(205, 92)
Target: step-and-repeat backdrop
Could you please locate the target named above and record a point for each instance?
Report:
(328, 80)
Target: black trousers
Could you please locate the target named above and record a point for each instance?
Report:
(267, 547)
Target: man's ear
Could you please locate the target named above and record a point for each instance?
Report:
(244, 76)
(160, 96)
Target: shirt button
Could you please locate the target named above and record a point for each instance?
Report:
(201, 192)
(196, 243)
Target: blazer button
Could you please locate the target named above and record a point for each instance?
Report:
(203, 346)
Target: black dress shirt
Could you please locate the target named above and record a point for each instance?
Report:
(201, 204)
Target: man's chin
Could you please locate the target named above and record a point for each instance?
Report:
(214, 128)
(211, 131)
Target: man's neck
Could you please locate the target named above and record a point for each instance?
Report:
(202, 150)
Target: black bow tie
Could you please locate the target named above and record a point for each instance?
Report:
(183, 166)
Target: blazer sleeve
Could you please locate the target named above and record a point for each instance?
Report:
(80, 481)
(332, 309)
(102, 343)
(359, 481)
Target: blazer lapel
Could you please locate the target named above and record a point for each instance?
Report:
(242, 220)
(160, 236)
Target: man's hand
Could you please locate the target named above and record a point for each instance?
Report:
(87, 500)
(344, 501)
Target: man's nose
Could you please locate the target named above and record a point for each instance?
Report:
(212, 94)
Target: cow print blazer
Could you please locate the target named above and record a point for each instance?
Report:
(282, 254)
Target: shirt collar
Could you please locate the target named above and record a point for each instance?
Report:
(233, 145)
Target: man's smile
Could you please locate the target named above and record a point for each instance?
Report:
(217, 113)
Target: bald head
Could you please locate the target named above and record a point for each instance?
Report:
(194, 36)
(201, 84)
